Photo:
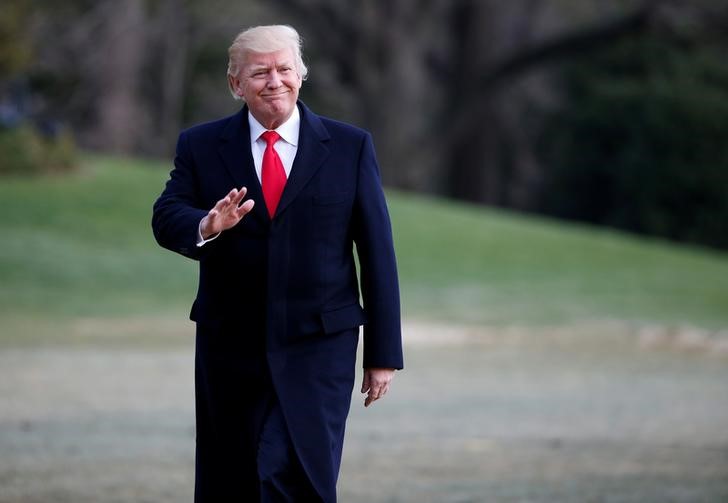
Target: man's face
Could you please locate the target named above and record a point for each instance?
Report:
(269, 84)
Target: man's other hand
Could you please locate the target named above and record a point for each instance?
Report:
(226, 214)
(376, 384)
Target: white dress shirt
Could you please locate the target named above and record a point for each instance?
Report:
(286, 146)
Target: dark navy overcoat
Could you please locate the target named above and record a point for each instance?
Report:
(279, 303)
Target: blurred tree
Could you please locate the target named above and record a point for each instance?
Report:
(453, 90)
(166, 70)
(369, 65)
(447, 85)
(15, 41)
(121, 120)
(641, 142)
(129, 74)
(82, 71)
(29, 142)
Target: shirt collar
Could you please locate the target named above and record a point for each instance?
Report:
(289, 130)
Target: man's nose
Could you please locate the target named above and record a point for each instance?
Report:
(274, 79)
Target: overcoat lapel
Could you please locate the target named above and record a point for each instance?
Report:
(238, 159)
(312, 152)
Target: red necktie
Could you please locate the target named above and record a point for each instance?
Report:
(273, 175)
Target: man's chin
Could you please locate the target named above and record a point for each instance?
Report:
(274, 113)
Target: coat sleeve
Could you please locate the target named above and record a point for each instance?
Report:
(375, 249)
(177, 214)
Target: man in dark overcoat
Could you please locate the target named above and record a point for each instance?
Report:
(272, 201)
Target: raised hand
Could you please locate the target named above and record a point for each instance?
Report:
(226, 213)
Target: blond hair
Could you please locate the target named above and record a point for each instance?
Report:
(264, 39)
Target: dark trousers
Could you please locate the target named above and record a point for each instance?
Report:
(274, 476)
(244, 449)
(282, 477)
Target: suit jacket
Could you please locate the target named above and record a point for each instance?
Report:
(283, 293)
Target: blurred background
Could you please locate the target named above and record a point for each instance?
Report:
(557, 173)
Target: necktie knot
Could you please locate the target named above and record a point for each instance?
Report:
(270, 137)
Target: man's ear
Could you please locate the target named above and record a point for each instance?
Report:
(235, 85)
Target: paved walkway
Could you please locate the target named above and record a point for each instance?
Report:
(504, 416)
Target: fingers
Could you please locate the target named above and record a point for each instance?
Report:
(376, 384)
(375, 394)
(238, 196)
(225, 201)
(227, 212)
(245, 208)
(211, 223)
(365, 382)
(231, 200)
(242, 209)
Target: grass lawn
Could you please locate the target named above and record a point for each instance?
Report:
(78, 250)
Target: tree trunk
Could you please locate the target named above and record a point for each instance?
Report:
(120, 120)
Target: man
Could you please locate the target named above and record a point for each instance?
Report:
(273, 219)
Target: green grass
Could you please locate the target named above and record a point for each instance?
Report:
(478, 265)
(80, 246)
